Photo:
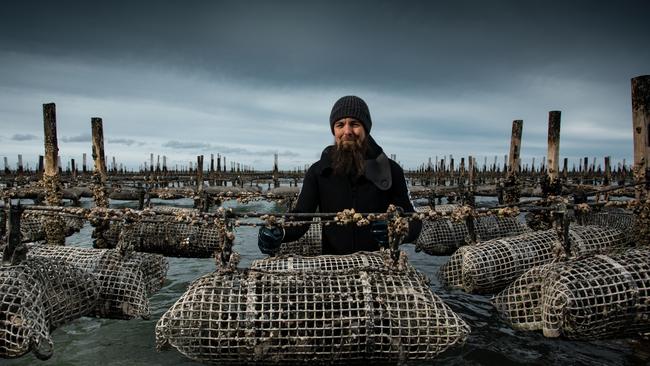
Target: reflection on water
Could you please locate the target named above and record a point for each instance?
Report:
(88, 341)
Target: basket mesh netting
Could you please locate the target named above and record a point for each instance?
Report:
(309, 244)
(589, 298)
(359, 260)
(36, 296)
(446, 207)
(32, 227)
(443, 236)
(490, 266)
(125, 282)
(280, 315)
(617, 219)
(172, 239)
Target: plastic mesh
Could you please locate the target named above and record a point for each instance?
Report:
(37, 296)
(124, 282)
(289, 316)
(172, 239)
(444, 236)
(590, 298)
(310, 244)
(492, 265)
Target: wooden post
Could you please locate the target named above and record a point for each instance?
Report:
(641, 132)
(14, 252)
(84, 166)
(51, 143)
(608, 172)
(54, 230)
(100, 175)
(20, 164)
(515, 147)
(553, 155)
(73, 169)
(199, 173)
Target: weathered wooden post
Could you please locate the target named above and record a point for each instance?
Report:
(641, 137)
(608, 172)
(15, 252)
(276, 180)
(641, 134)
(552, 185)
(20, 164)
(200, 201)
(54, 229)
(73, 169)
(511, 184)
(84, 167)
(7, 170)
(99, 177)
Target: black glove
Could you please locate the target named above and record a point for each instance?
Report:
(379, 231)
(269, 239)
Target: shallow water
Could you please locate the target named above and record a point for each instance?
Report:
(88, 341)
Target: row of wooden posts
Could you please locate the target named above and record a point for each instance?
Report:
(443, 174)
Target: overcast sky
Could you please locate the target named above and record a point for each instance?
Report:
(246, 79)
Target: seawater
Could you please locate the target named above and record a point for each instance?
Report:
(94, 341)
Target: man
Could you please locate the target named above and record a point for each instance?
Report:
(352, 173)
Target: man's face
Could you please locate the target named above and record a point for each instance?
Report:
(348, 132)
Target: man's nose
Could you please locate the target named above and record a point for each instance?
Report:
(347, 129)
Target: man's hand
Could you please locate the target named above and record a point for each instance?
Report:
(269, 239)
(379, 231)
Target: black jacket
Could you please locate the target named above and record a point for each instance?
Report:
(383, 183)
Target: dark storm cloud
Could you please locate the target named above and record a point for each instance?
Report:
(410, 44)
(24, 137)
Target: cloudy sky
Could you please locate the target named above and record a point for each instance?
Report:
(247, 79)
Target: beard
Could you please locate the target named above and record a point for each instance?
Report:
(348, 157)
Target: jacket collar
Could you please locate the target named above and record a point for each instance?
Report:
(377, 165)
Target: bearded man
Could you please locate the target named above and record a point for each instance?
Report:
(352, 173)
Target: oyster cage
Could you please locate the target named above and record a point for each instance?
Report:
(124, 282)
(490, 266)
(37, 296)
(310, 244)
(350, 313)
(172, 239)
(444, 236)
(589, 298)
(32, 227)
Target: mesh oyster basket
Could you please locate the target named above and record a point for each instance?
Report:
(172, 239)
(492, 265)
(32, 226)
(589, 298)
(444, 236)
(293, 316)
(37, 296)
(310, 244)
(125, 282)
